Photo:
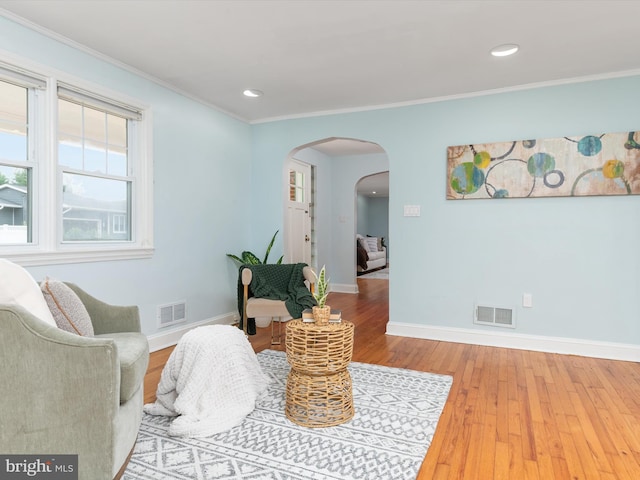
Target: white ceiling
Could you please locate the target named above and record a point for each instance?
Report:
(335, 147)
(318, 56)
(323, 56)
(374, 185)
(371, 186)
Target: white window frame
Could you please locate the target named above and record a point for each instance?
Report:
(119, 223)
(47, 247)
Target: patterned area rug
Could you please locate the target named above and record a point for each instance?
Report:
(397, 411)
(379, 274)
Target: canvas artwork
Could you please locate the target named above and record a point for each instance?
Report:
(603, 164)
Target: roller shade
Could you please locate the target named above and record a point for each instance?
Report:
(21, 77)
(76, 95)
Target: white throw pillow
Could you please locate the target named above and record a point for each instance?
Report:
(66, 307)
(17, 287)
(373, 243)
(364, 244)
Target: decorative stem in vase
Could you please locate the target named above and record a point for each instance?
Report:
(321, 312)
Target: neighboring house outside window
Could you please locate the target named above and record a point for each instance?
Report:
(84, 193)
(13, 202)
(13, 213)
(17, 92)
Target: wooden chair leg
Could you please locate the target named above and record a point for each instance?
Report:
(245, 298)
(273, 337)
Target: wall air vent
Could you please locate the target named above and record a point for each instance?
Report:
(172, 313)
(494, 316)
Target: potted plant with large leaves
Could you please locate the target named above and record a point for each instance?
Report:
(321, 311)
(249, 258)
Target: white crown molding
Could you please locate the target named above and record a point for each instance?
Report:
(169, 338)
(569, 346)
(529, 86)
(105, 58)
(460, 96)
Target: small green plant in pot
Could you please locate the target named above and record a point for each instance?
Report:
(321, 311)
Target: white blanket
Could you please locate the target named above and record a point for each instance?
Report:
(210, 383)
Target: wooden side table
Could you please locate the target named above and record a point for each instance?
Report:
(319, 392)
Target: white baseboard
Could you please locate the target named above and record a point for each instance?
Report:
(171, 337)
(344, 288)
(571, 346)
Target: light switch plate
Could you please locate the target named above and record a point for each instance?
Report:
(412, 210)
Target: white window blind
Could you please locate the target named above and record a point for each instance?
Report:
(76, 95)
(90, 199)
(21, 77)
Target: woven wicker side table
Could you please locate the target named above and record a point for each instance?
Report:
(319, 392)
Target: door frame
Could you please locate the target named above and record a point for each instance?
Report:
(310, 190)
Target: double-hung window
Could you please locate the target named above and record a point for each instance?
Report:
(20, 97)
(93, 156)
(75, 172)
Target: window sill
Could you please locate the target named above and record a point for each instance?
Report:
(31, 259)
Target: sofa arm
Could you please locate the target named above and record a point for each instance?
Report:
(60, 390)
(108, 318)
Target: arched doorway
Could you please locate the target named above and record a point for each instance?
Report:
(336, 166)
(372, 226)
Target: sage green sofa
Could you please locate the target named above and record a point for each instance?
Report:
(67, 394)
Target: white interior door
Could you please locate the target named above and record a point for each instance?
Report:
(298, 218)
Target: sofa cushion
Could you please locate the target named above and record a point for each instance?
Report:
(373, 243)
(376, 255)
(363, 242)
(66, 307)
(133, 353)
(17, 287)
(265, 307)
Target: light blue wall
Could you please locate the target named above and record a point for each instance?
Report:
(347, 172)
(373, 217)
(362, 212)
(201, 166)
(578, 257)
(376, 221)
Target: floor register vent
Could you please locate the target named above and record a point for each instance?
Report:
(172, 313)
(495, 316)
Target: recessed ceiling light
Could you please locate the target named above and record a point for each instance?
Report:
(374, 192)
(504, 50)
(252, 92)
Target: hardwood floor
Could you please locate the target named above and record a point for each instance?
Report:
(511, 414)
